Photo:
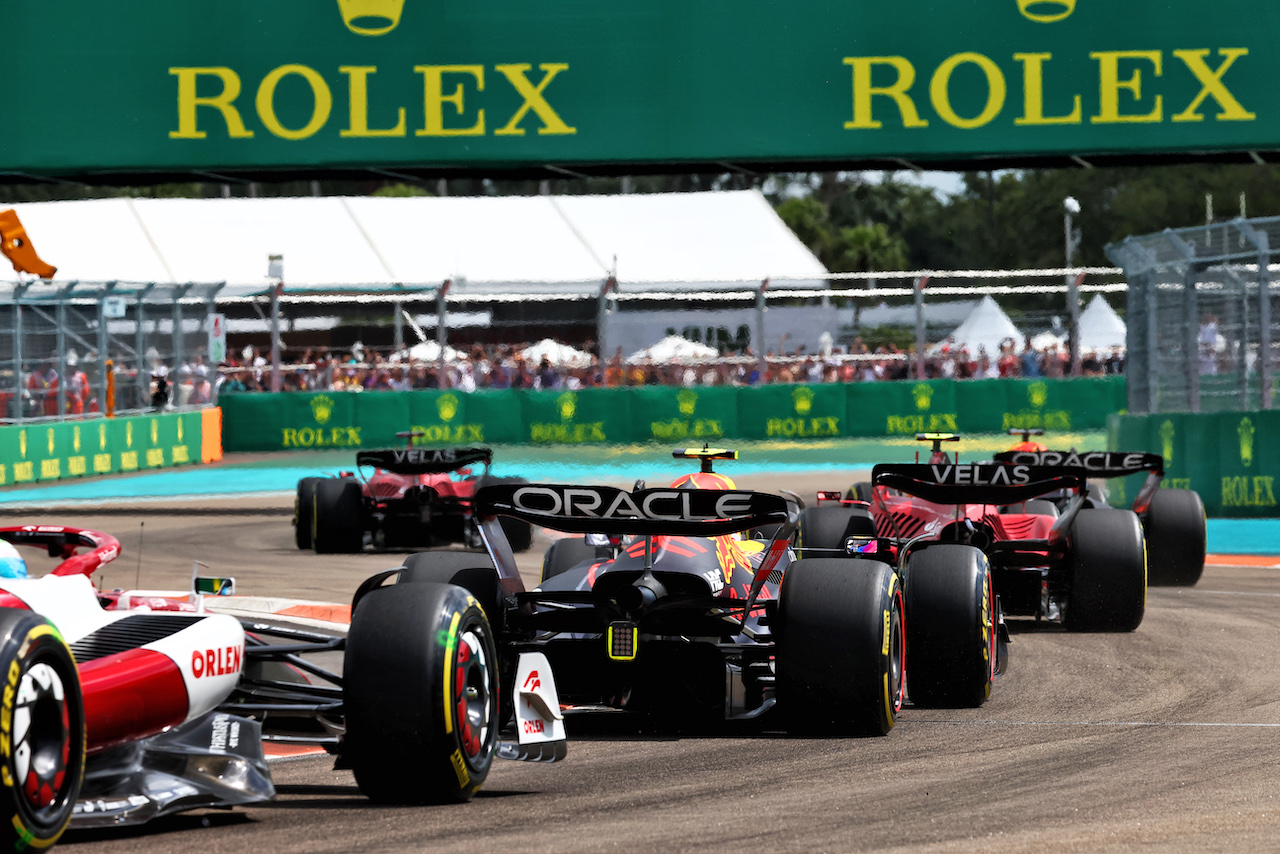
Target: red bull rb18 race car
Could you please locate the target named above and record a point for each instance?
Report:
(659, 606)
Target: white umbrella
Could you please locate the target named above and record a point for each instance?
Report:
(556, 353)
(673, 348)
(429, 351)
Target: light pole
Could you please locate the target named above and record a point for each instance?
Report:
(1070, 208)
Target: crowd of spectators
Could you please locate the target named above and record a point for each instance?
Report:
(502, 366)
(195, 383)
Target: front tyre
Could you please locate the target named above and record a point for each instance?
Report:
(421, 694)
(42, 764)
(841, 648)
(952, 640)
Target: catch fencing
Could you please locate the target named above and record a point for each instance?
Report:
(1202, 316)
(56, 339)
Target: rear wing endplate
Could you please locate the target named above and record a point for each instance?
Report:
(424, 460)
(977, 483)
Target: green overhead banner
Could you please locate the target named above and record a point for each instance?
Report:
(202, 86)
(1224, 456)
(299, 421)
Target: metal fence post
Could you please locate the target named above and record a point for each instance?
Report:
(602, 320)
(18, 368)
(1262, 243)
(920, 344)
(442, 337)
(760, 310)
(60, 339)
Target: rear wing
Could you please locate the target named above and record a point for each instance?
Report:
(977, 483)
(1096, 463)
(424, 460)
(608, 510)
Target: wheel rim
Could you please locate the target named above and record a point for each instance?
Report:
(42, 740)
(897, 654)
(471, 687)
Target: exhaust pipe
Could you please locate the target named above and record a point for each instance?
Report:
(641, 593)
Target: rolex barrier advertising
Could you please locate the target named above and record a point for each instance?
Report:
(57, 450)
(302, 421)
(1220, 455)
(200, 85)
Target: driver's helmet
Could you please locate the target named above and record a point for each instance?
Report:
(704, 480)
(11, 563)
(1029, 446)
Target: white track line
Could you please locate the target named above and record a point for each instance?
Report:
(1095, 723)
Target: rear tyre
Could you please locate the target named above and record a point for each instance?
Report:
(303, 505)
(519, 534)
(43, 709)
(566, 554)
(472, 571)
(860, 491)
(1174, 527)
(421, 695)
(825, 528)
(951, 642)
(337, 523)
(841, 649)
(1108, 572)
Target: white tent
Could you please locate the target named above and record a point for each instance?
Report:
(1045, 340)
(1100, 327)
(429, 351)
(556, 353)
(986, 327)
(536, 244)
(673, 348)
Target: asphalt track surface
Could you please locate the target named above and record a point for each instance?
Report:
(1165, 739)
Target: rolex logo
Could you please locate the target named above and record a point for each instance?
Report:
(75, 438)
(687, 401)
(923, 394)
(1245, 430)
(22, 443)
(1038, 394)
(49, 437)
(155, 431)
(1046, 11)
(803, 399)
(568, 405)
(102, 437)
(447, 406)
(371, 17)
(1166, 440)
(321, 408)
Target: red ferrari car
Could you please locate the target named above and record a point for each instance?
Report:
(414, 498)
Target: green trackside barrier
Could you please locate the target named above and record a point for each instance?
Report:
(1220, 455)
(54, 451)
(292, 420)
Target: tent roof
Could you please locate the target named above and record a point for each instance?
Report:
(484, 244)
(1100, 327)
(673, 348)
(985, 327)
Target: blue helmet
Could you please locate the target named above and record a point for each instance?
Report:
(11, 563)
